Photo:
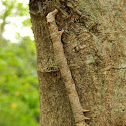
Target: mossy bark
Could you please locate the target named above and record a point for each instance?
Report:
(94, 45)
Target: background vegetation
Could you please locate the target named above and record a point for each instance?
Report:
(19, 97)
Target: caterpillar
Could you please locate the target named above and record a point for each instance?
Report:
(65, 71)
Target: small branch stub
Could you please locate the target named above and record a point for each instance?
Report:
(65, 71)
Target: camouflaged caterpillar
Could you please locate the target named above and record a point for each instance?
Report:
(65, 71)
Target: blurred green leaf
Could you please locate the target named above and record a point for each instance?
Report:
(19, 97)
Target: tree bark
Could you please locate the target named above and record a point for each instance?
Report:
(94, 46)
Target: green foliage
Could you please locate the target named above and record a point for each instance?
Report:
(19, 100)
(14, 8)
(19, 96)
(26, 22)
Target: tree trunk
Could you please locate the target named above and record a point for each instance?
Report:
(94, 45)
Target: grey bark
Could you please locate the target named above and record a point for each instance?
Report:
(94, 44)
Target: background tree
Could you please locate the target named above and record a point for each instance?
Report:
(94, 44)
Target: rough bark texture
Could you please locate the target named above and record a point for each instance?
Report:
(94, 44)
